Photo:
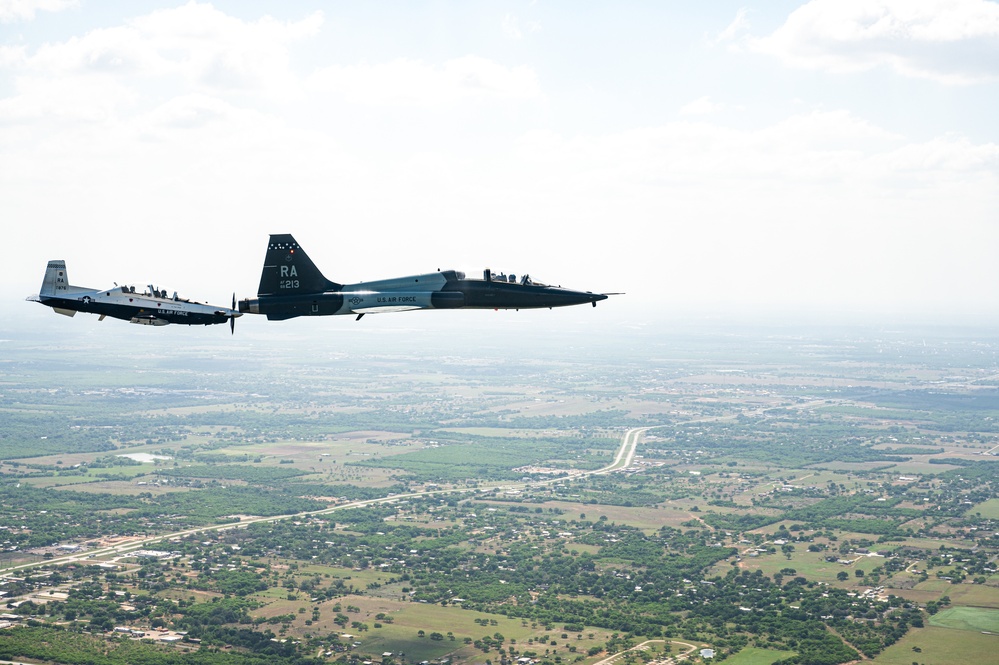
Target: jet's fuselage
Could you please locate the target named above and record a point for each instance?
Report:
(439, 290)
(291, 285)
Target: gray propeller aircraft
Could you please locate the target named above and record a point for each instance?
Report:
(291, 285)
(151, 307)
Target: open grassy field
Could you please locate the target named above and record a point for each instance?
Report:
(916, 466)
(975, 595)
(359, 578)
(915, 595)
(59, 481)
(513, 432)
(649, 518)
(940, 587)
(934, 543)
(757, 656)
(124, 487)
(967, 618)
(402, 634)
(811, 565)
(988, 509)
(940, 646)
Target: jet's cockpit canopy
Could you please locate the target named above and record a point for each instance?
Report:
(490, 276)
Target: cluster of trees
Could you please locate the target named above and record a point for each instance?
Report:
(51, 516)
(52, 644)
(788, 439)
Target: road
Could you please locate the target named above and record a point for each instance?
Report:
(622, 460)
(610, 660)
(626, 453)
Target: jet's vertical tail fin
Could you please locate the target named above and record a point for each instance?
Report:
(288, 270)
(56, 280)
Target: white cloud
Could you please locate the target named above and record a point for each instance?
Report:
(416, 83)
(190, 112)
(950, 41)
(512, 30)
(738, 26)
(193, 44)
(823, 145)
(222, 52)
(72, 99)
(117, 76)
(24, 10)
(701, 106)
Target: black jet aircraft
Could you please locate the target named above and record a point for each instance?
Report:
(151, 307)
(291, 285)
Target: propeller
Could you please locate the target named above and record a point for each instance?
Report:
(232, 319)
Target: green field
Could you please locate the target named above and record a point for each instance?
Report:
(968, 618)
(409, 618)
(757, 656)
(940, 646)
(975, 595)
(811, 565)
(988, 509)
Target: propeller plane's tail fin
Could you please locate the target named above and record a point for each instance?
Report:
(56, 280)
(55, 285)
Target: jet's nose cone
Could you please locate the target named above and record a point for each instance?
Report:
(582, 297)
(596, 297)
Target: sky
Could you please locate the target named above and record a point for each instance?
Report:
(835, 156)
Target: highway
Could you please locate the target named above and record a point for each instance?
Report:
(625, 454)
